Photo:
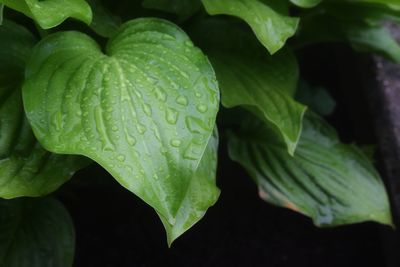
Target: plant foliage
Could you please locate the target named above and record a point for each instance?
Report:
(135, 86)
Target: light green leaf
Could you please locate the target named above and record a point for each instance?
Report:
(51, 13)
(183, 8)
(330, 182)
(104, 22)
(35, 233)
(196, 202)
(306, 3)
(249, 77)
(268, 19)
(145, 110)
(26, 169)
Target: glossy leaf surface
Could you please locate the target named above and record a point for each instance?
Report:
(50, 13)
(26, 169)
(330, 182)
(145, 110)
(35, 233)
(249, 77)
(269, 20)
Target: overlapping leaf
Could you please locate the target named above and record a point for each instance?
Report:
(26, 169)
(251, 78)
(145, 111)
(50, 13)
(331, 182)
(268, 19)
(306, 3)
(35, 233)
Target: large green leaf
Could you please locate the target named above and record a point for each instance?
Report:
(331, 182)
(183, 8)
(26, 169)
(267, 18)
(50, 13)
(250, 77)
(35, 233)
(145, 110)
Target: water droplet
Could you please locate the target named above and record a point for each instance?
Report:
(130, 139)
(147, 109)
(121, 158)
(193, 151)
(202, 108)
(79, 113)
(155, 176)
(171, 115)
(160, 94)
(198, 95)
(176, 142)
(141, 128)
(196, 125)
(189, 43)
(182, 100)
(114, 128)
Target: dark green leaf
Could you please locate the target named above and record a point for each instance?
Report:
(331, 182)
(35, 233)
(1, 13)
(317, 98)
(145, 110)
(104, 22)
(251, 78)
(26, 169)
(268, 19)
(183, 8)
(50, 13)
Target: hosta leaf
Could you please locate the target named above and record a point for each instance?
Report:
(359, 24)
(104, 22)
(196, 202)
(268, 19)
(35, 233)
(306, 3)
(316, 97)
(331, 182)
(183, 8)
(251, 78)
(145, 110)
(50, 13)
(26, 169)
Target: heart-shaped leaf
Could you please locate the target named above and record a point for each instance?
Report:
(268, 19)
(50, 13)
(26, 169)
(251, 78)
(35, 233)
(145, 110)
(329, 181)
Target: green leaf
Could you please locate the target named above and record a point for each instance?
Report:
(35, 233)
(196, 202)
(145, 110)
(26, 169)
(268, 19)
(317, 98)
(306, 3)
(183, 8)
(360, 25)
(251, 78)
(104, 22)
(329, 181)
(51, 13)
